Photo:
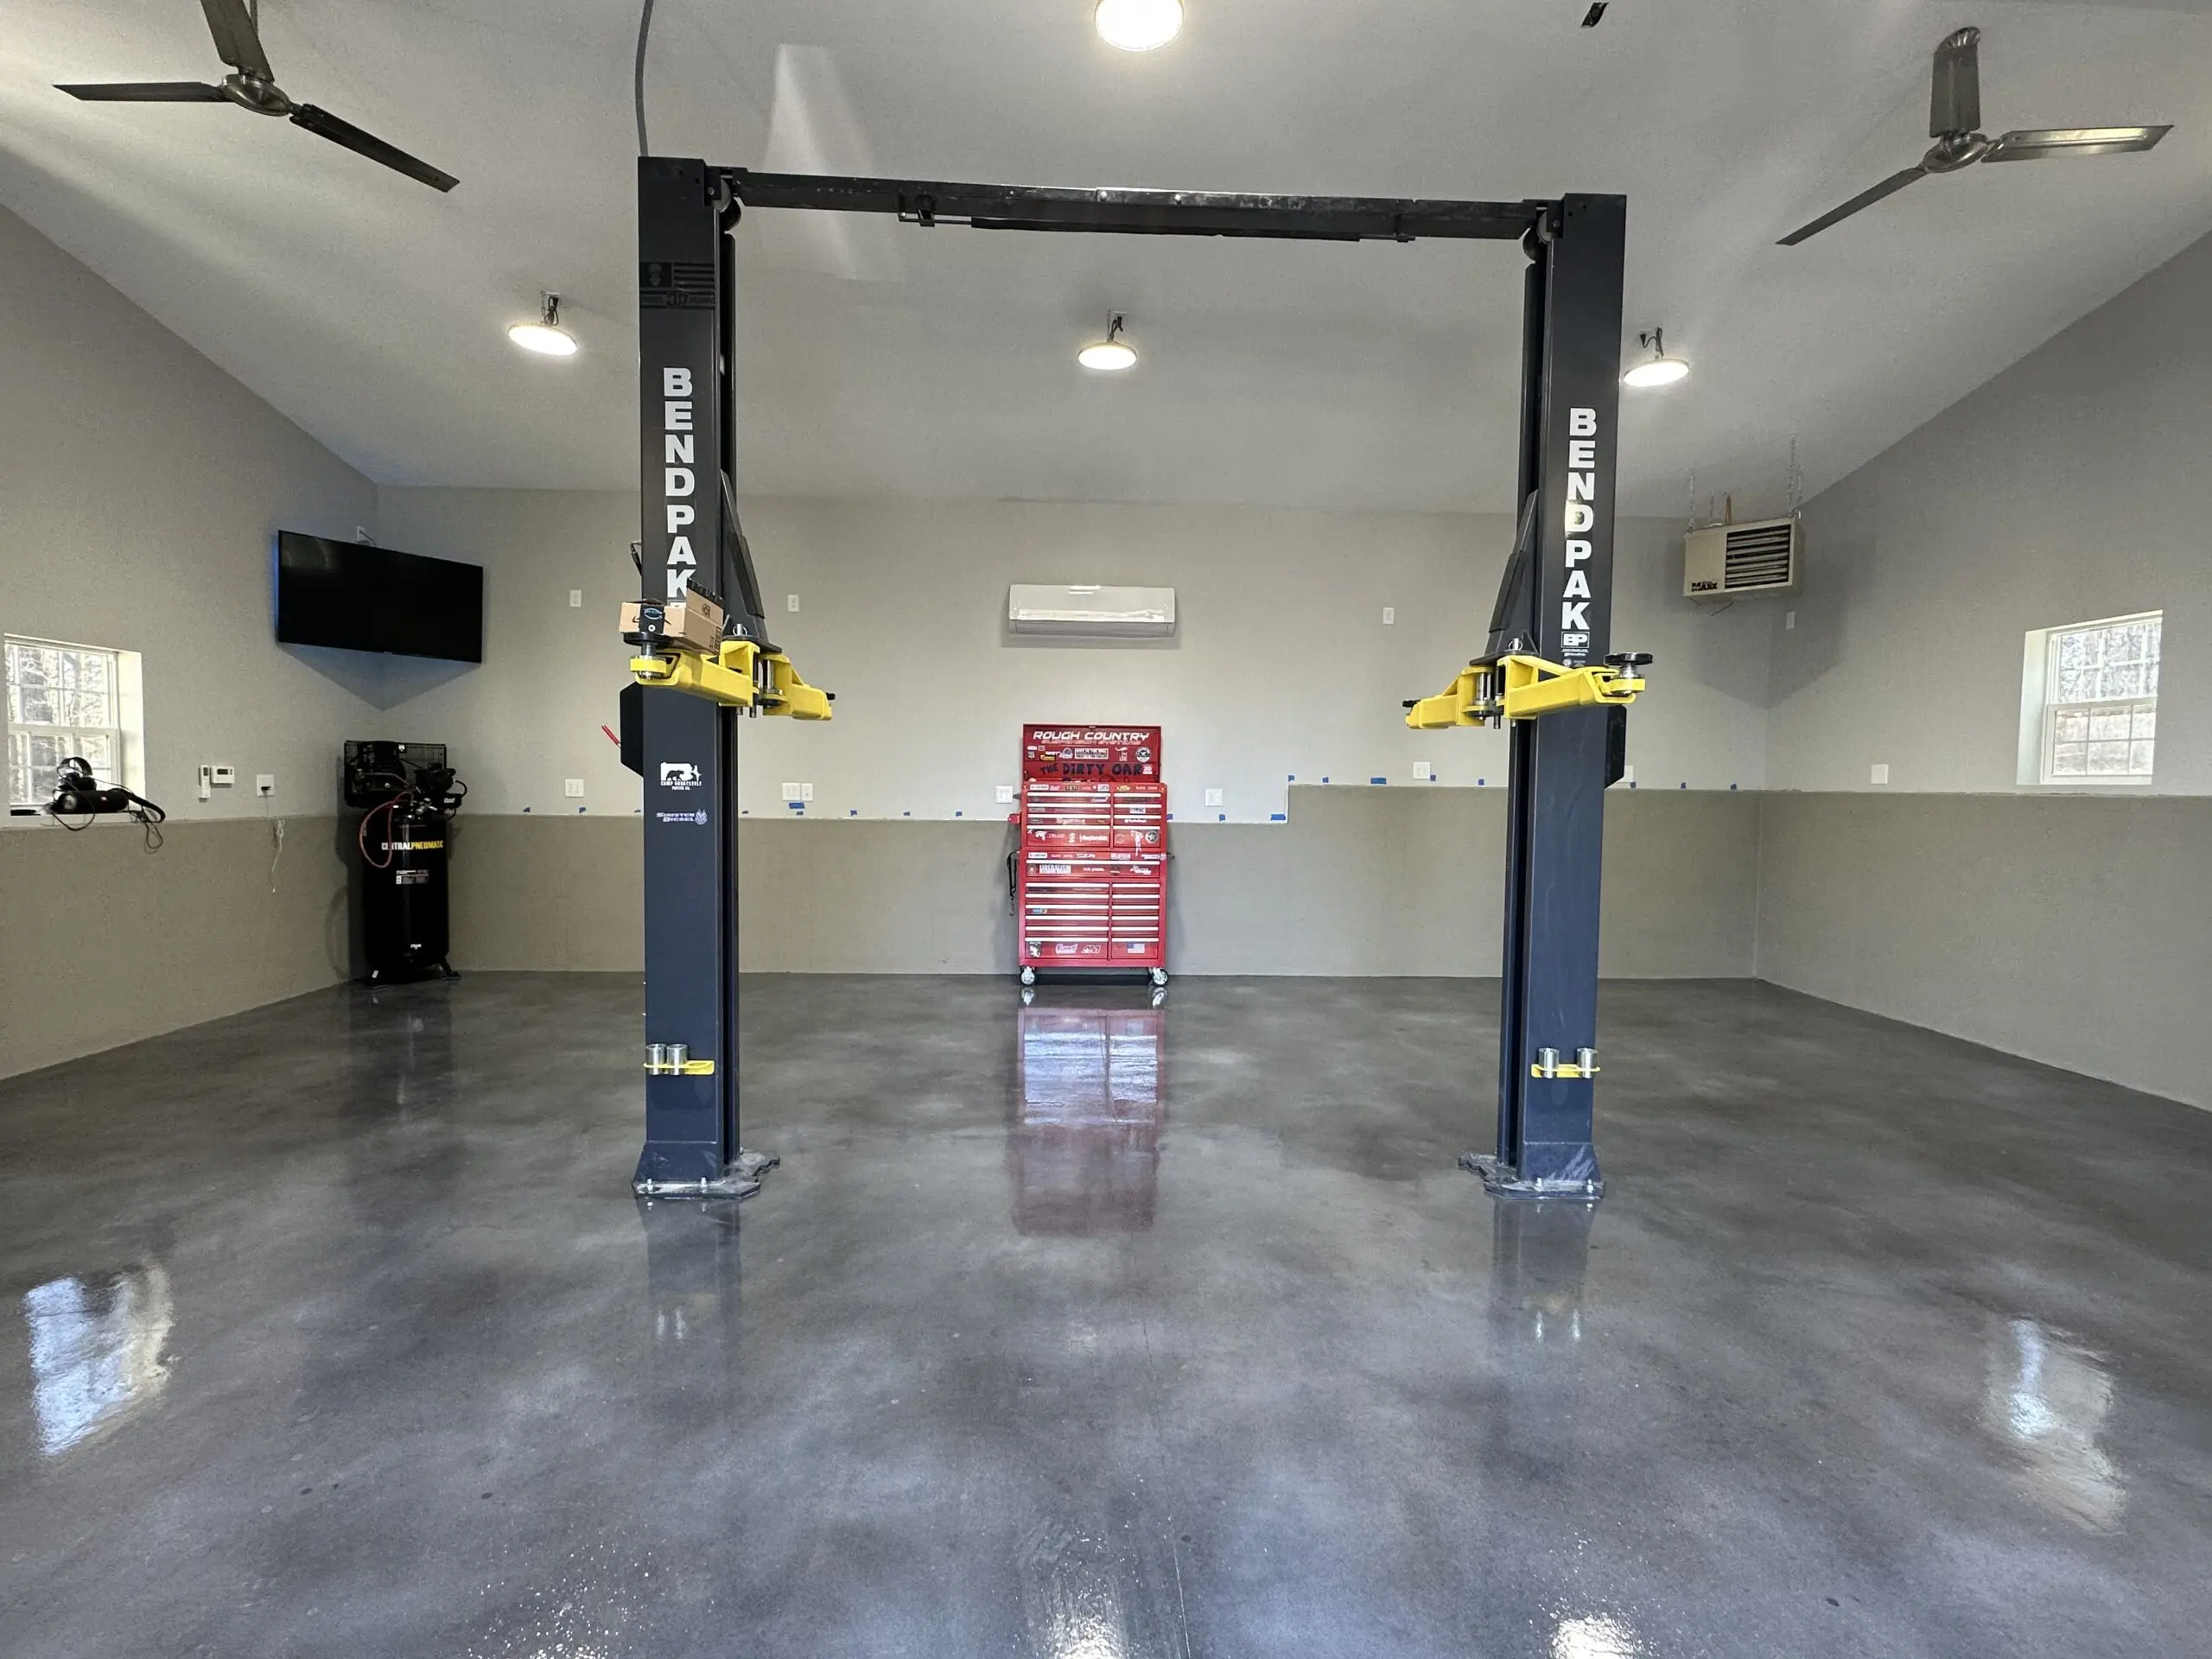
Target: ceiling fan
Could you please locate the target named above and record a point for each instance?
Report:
(1954, 112)
(237, 29)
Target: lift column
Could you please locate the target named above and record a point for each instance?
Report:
(1561, 764)
(689, 742)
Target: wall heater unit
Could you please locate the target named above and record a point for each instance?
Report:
(1723, 561)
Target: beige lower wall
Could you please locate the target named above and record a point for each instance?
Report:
(102, 942)
(2074, 930)
(1359, 882)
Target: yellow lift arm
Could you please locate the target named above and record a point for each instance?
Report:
(734, 675)
(1519, 687)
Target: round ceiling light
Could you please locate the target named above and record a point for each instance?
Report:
(1110, 355)
(1658, 368)
(1138, 25)
(546, 336)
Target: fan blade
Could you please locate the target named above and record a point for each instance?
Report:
(1888, 187)
(146, 92)
(1954, 97)
(324, 124)
(2033, 144)
(238, 43)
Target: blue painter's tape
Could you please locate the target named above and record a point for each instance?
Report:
(1278, 817)
(1221, 817)
(1378, 780)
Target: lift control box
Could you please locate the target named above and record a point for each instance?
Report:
(1090, 870)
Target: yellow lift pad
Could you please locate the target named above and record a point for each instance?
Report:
(730, 676)
(1531, 687)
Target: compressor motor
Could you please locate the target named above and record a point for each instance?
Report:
(407, 796)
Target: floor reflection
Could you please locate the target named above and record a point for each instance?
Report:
(2047, 1401)
(1089, 1107)
(692, 1299)
(96, 1350)
(1540, 1256)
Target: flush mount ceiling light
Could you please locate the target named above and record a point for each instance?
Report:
(1658, 368)
(546, 336)
(1110, 355)
(1138, 25)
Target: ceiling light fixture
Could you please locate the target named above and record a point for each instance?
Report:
(1658, 368)
(1110, 355)
(1138, 25)
(546, 336)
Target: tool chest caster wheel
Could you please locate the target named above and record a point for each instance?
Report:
(1029, 976)
(1160, 975)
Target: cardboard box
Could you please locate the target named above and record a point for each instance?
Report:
(694, 623)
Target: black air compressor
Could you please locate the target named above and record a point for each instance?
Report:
(407, 796)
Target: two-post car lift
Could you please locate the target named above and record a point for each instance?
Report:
(1543, 671)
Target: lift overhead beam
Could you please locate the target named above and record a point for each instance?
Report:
(1141, 213)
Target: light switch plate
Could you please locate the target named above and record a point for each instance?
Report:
(1879, 773)
(572, 788)
(575, 599)
(791, 602)
(798, 791)
(1423, 771)
(1213, 797)
(1005, 794)
(1390, 614)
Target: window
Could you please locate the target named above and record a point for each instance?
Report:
(66, 700)
(2094, 704)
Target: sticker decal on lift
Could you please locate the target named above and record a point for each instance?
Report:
(679, 774)
(1582, 519)
(681, 817)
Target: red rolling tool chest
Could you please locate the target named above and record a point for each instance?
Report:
(1090, 870)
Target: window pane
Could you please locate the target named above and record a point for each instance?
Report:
(2107, 758)
(2109, 723)
(2146, 720)
(2123, 680)
(2139, 759)
(2069, 759)
(2070, 725)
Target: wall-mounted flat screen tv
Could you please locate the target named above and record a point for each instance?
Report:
(353, 597)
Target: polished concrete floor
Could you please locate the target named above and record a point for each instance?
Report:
(1086, 1331)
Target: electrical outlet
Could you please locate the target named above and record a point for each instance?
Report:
(575, 599)
(1213, 797)
(791, 602)
(1423, 771)
(1005, 794)
(1879, 773)
(1390, 614)
(572, 788)
(798, 791)
(264, 782)
(1789, 619)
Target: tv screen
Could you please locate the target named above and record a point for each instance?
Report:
(357, 598)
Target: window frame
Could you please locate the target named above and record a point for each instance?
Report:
(2041, 707)
(126, 736)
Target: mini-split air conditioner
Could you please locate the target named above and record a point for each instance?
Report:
(1082, 611)
(1723, 561)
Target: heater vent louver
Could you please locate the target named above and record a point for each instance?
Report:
(1730, 560)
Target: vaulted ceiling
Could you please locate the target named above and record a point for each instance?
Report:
(886, 361)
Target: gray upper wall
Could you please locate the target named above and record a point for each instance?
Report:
(1283, 664)
(2075, 484)
(140, 489)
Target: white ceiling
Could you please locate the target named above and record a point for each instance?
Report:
(886, 360)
